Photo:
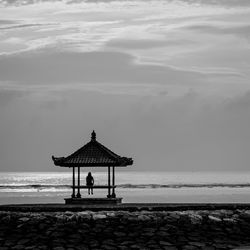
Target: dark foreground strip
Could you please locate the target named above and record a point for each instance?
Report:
(124, 207)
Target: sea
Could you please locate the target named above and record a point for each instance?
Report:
(140, 187)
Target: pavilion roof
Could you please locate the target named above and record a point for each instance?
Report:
(92, 154)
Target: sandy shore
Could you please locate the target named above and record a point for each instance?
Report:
(124, 229)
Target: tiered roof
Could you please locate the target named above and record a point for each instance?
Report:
(92, 154)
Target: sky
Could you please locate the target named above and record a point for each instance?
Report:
(164, 82)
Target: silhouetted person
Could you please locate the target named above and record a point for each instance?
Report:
(90, 182)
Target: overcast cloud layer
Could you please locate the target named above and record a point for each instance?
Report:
(165, 82)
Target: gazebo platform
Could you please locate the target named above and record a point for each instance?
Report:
(93, 201)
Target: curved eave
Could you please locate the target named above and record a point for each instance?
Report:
(57, 160)
(126, 162)
(60, 161)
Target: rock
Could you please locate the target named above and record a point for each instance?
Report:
(195, 219)
(72, 217)
(74, 236)
(6, 219)
(18, 247)
(23, 241)
(213, 218)
(85, 215)
(9, 243)
(162, 234)
(42, 247)
(135, 246)
(197, 244)
(208, 248)
(111, 214)
(148, 234)
(182, 239)
(125, 248)
(144, 217)
(242, 248)
(126, 243)
(221, 246)
(119, 234)
(59, 248)
(24, 219)
(68, 213)
(42, 226)
(175, 215)
(109, 242)
(99, 216)
(30, 247)
(189, 247)
(165, 243)
(230, 220)
(60, 217)
(108, 247)
(85, 230)
(170, 248)
(81, 247)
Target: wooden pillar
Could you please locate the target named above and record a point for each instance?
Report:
(113, 183)
(109, 189)
(78, 184)
(74, 184)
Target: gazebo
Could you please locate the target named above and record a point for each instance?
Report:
(93, 154)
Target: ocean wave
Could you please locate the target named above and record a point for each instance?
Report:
(34, 186)
(212, 185)
(130, 186)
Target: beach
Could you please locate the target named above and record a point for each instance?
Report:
(125, 229)
(159, 210)
(132, 186)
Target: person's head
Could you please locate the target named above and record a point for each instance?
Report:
(89, 174)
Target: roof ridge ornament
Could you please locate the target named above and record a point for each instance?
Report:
(93, 135)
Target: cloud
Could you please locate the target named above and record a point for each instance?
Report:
(193, 133)
(91, 67)
(8, 96)
(5, 22)
(235, 3)
(134, 62)
(188, 133)
(142, 44)
(21, 26)
(238, 30)
(210, 2)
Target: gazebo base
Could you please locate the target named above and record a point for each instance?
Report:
(91, 201)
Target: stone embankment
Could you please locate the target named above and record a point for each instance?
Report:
(179, 230)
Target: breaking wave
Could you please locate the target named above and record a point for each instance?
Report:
(185, 185)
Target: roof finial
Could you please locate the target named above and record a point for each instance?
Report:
(93, 136)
